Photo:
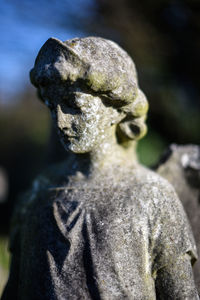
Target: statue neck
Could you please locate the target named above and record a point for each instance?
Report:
(106, 156)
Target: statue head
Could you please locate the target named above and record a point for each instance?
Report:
(90, 85)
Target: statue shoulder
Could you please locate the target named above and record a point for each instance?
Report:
(158, 198)
(152, 181)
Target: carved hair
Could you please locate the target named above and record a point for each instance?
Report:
(104, 68)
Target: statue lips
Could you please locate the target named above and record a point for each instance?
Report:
(69, 135)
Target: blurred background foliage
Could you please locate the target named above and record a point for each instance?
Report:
(162, 36)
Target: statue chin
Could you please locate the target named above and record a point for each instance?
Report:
(73, 146)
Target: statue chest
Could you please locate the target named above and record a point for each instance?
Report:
(96, 237)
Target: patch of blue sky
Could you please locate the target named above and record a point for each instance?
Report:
(24, 29)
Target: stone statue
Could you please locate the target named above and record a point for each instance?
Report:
(99, 225)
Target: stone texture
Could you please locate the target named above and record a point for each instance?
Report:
(99, 225)
(181, 166)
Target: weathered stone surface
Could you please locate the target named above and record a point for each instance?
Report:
(99, 225)
(181, 167)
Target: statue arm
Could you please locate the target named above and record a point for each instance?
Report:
(175, 280)
(174, 249)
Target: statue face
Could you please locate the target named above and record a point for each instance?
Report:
(83, 121)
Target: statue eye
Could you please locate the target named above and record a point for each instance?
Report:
(70, 102)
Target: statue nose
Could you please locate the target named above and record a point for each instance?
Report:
(63, 119)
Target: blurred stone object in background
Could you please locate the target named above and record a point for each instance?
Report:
(180, 165)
